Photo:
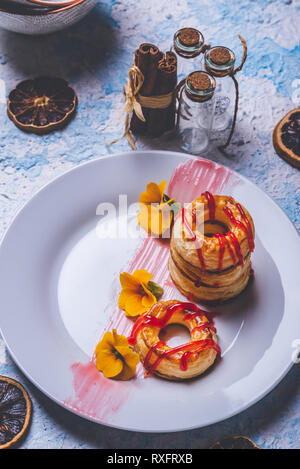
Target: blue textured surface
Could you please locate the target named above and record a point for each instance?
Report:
(95, 56)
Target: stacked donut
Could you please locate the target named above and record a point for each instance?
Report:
(210, 259)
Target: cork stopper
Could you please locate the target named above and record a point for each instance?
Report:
(189, 36)
(220, 55)
(199, 81)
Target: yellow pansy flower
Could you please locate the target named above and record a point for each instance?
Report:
(115, 358)
(155, 215)
(138, 293)
(154, 193)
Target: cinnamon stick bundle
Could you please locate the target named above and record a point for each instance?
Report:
(160, 78)
(167, 70)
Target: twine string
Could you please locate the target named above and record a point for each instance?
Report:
(236, 107)
(130, 93)
(244, 57)
(134, 82)
(205, 48)
(161, 101)
(236, 85)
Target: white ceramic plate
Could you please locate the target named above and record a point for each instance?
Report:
(59, 287)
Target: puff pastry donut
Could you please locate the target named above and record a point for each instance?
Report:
(177, 363)
(211, 262)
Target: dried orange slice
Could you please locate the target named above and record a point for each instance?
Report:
(41, 105)
(15, 411)
(286, 137)
(235, 442)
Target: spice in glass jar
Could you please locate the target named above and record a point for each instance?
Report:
(188, 44)
(196, 111)
(219, 61)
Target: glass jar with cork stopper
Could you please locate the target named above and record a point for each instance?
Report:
(188, 46)
(219, 61)
(195, 112)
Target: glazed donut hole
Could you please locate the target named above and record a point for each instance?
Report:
(175, 334)
(212, 227)
(202, 224)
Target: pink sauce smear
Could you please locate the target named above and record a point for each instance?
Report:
(95, 396)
